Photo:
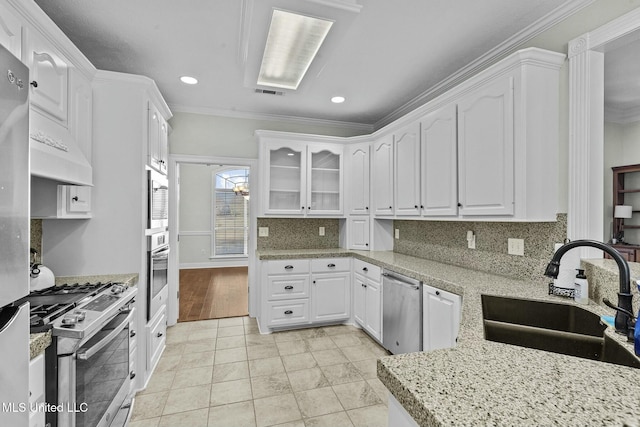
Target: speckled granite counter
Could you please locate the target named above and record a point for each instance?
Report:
(485, 383)
(38, 343)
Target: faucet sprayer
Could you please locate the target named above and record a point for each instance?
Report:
(623, 322)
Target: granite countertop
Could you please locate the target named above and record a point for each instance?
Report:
(486, 383)
(39, 342)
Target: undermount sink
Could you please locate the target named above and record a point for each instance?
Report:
(554, 327)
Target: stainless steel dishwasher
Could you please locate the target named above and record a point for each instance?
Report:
(401, 313)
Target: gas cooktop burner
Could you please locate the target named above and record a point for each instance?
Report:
(51, 303)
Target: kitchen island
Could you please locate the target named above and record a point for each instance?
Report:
(486, 383)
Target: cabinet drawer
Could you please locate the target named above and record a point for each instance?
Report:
(328, 265)
(294, 266)
(366, 270)
(288, 287)
(288, 312)
(157, 337)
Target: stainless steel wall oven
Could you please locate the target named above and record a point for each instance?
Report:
(158, 201)
(157, 277)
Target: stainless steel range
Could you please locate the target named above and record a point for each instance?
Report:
(89, 364)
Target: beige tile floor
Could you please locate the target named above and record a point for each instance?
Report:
(224, 373)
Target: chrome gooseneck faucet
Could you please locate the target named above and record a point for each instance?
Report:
(624, 321)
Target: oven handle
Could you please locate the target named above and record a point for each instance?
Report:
(161, 253)
(86, 353)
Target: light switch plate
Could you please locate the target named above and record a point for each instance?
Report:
(321, 231)
(397, 233)
(516, 247)
(263, 231)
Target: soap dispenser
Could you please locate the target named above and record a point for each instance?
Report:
(581, 293)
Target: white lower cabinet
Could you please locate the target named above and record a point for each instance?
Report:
(440, 317)
(303, 292)
(398, 416)
(367, 298)
(156, 337)
(36, 391)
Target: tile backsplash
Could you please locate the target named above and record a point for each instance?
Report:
(36, 238)
(299, 233)
(446, 241)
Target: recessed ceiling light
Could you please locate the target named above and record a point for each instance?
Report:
(189, 80)
(292, 43)
(337, 99)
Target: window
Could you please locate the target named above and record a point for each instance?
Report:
(231, 212)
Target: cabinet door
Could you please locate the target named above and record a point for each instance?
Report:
(407, 170)
(439, 163)
(163, 149)
(359, 299)
(285, 179)
(331, 297)
(10, 32)
(78, 199)
(49, 74)
(373, 302)
(81, 111)
(441, 318)
(153, 137)
(357, 181)
(324, 177)
(359, 232)
(382, 173)
(485, 150)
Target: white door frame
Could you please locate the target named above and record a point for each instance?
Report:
(586, 127)
(174, 203)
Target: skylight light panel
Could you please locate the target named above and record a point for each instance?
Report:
(292, 43)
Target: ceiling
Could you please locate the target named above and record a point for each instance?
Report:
(385, 57)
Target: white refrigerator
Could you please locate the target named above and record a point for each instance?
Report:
(14, 240)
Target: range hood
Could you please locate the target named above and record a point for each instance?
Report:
(55, 153)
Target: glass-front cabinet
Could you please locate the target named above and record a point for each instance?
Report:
(302, 178)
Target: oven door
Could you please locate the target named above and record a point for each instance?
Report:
(158, 203)
(157, 279)
(98, 376)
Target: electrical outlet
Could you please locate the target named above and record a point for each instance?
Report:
(397, 233)
(471, 240)
(321, 231)
(263, 231)
(516, 247)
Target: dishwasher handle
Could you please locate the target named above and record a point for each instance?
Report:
(401, 281)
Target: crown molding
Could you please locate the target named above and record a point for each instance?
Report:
(500, 51)
(359, 127)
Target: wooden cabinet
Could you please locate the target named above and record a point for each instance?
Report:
(367, 295)
(440, 317)
(49, 76)
(439, 148)
(157, 140)
(486, 149)
(382, 176)
(406, 154)
(37, 391)
(626, 186)
(357, 178)
(631, 253)
(10, 32)
(302, 179)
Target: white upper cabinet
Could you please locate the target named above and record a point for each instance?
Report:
(407, 170)
(439, 162)
(301, 178)
(486, 150)
(357, 178)
(10, 32)
(324, 175)
(382, 176)
(49, 77)
(81, 111)
(157, 140)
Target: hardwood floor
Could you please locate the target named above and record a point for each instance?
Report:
(213, 293)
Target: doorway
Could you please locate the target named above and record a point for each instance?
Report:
(212, 223)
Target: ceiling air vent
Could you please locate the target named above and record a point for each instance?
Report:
(270, 92)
